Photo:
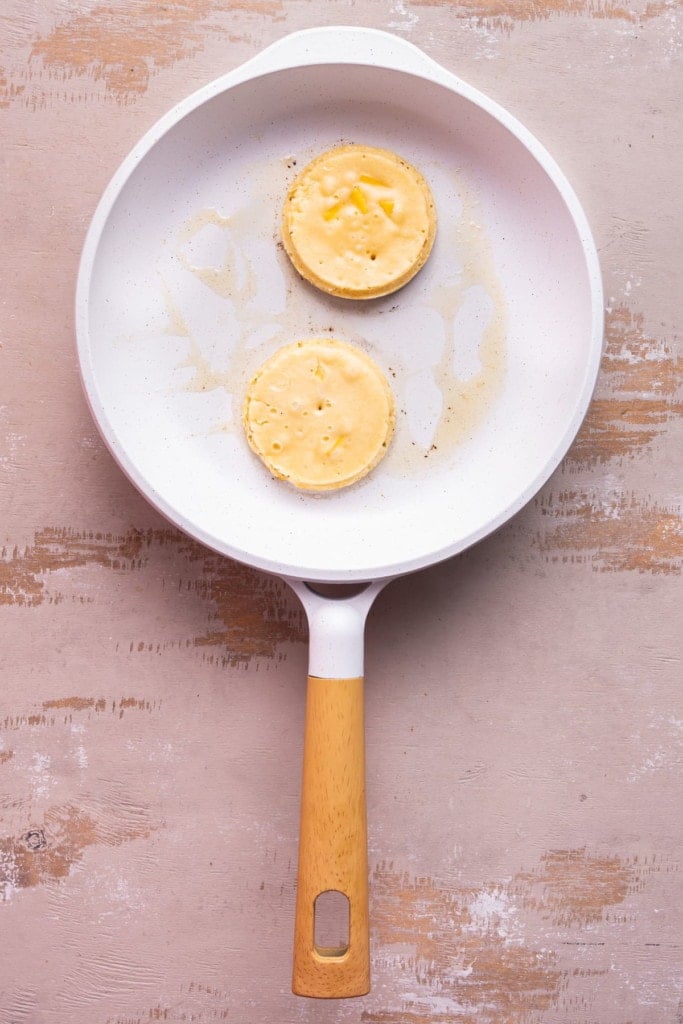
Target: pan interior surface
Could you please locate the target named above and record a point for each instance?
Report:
(491, 350)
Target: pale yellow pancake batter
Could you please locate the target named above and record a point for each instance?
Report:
(359, 222)
(319, 413)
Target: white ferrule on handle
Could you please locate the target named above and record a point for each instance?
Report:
(336, 626)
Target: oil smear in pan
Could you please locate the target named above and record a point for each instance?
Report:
(473, 310)
(205, 376)
(441, 340)
(230, 278)
(233, 263)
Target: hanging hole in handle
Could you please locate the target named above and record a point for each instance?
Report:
(331, 915)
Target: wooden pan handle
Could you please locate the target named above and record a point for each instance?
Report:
(333, 839)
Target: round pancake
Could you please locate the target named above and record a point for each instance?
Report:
(359, 222)
(319, 414)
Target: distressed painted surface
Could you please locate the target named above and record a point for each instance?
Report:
(525, 728)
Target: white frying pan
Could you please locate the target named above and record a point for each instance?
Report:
(492, 352)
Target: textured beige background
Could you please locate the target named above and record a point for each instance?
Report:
(524, 711)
